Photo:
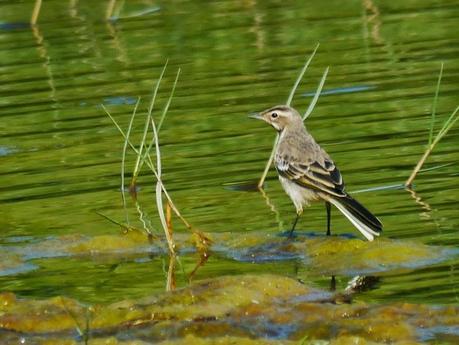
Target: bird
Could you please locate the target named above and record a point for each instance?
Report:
(307, 173)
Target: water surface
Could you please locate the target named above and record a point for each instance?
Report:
(60, 155)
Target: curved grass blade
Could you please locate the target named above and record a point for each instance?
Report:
(123, 158)
(434, 105)
(300, 76)
(159, 189)
(316, 95)
(166, 108)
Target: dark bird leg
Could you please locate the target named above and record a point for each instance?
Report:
(328, 207)
(294, 224)
(333, 283)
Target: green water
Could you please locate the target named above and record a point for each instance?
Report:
(60, 155)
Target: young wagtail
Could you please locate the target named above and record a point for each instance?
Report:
(307, 173)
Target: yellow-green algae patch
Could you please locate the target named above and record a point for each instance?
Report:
(248, 309)
(321, 254)
(209, 298)
(109, 243)
(331, 254)
(337, 255)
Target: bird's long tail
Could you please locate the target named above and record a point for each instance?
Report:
(360, 217)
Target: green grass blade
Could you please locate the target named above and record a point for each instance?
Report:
(120, 130)
(160, 207)
(378, 188)
(123, 158)
(316, 95)
(142, 157)
(447, 126)
(163, 116)
(158, 152)
(155, 91)
(138, 166)
(434, 105)
(149, 161)
(300, 76)
(436, 167)
(166, 108)
(268, 163)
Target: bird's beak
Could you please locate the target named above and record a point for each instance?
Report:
(256, 116)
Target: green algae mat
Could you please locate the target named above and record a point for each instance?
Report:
(237, 309)
(248, 309)
(325, 255)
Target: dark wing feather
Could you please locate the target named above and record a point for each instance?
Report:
(325, 177)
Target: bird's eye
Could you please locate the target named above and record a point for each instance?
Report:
(274, 115)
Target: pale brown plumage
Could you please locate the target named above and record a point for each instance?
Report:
(307, 172)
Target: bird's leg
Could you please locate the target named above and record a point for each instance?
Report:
(333, 283)
(328, 207)
(294, 224)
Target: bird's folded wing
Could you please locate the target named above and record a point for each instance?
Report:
(321, 177)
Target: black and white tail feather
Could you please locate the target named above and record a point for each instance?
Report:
(359, 216)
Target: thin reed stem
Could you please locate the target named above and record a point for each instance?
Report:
(171, 283)
(35, 12)
(159, 199)
(449, 123)
(123, 159)
(110, 9)
(135, 173)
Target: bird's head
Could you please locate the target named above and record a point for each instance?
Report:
(280, 117)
